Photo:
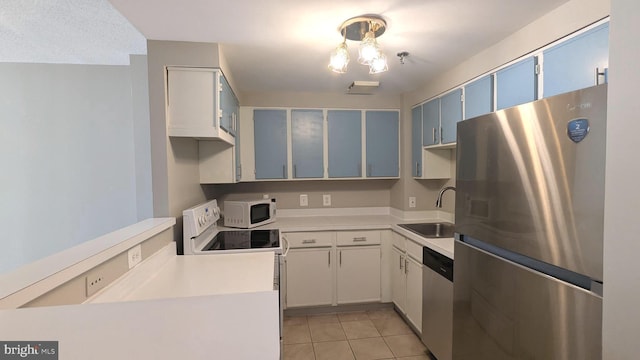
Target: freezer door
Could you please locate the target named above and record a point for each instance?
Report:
(506, 311)
(530, 179)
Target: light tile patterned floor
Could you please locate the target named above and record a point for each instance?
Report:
(364, 335)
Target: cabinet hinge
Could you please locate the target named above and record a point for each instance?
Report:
(537, 69)
(462, 97)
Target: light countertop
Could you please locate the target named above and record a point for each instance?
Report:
(167, 275)
(228, 326)
(362, 222)
(170, 306)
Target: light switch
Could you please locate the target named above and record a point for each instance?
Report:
(304, 200)
(326, 200)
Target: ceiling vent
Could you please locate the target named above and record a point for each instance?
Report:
(363, 87)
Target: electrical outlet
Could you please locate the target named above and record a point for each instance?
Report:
(304, 200)
(95, 282)
(135, 255)
(265, 196)
(412, 201)
(326, 200)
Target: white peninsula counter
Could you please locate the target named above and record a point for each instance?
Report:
(170, 307)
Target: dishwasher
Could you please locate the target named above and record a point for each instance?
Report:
(437, 303)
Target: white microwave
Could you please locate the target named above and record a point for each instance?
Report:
(248, 214)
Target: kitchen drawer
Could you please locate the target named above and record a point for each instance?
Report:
(358, 238)
(414, 250)
(398, 241)
(310, 239)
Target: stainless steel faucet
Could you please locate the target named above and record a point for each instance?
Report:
(439, 199)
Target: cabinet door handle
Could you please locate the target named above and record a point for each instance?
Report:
(235, 123)
(441, 137)
(600, 73)
(433, 134)
(406, 267)
(309, 241)
(360, 239)
(417, 168)
(400, 258)
(329, 257)
(340, 257)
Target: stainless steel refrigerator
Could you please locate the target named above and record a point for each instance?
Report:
(529, 228)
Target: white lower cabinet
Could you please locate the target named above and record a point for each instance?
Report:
(398, 279)
(309, 277)
(406, 279)
(413, 309)
(331, 268)
(358, 275)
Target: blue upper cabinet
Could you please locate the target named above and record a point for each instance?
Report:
(478, 97)
(345, 143)
(416, 141)
(516, 84)
(382, 134)
(572, 64)
(228, 107)
(270, 142)
(431, 122)
(307, 143)
(450, 114)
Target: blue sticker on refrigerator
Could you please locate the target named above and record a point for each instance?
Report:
(578, 129)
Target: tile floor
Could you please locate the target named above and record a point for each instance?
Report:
(365, 335)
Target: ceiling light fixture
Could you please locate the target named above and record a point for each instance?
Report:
(366, 29)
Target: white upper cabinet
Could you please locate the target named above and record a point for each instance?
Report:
(321, 144)
(517, 83)
(478, 97)
(345, 143)
(307, 143)
(577, 63)
(270, 143)
(194, 104)
(382, 136)
(450, 115)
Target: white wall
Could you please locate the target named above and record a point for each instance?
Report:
(67, 156)
(622, 198)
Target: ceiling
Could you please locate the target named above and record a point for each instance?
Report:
(285, 45)
(281, 45)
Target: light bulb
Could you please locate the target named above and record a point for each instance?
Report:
(378, 64)
(339, 59)
(368, 49)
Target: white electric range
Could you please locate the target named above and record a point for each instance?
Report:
(201, 236)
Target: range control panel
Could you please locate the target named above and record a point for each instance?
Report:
(198, 218)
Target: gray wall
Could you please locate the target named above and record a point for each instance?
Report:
(344, 193)
(564, 20)
(622, 199)
(176, 183)
(69, 159)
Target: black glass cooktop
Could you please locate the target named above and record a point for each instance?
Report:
(244, 239)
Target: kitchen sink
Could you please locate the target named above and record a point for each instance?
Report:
(430, 230)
